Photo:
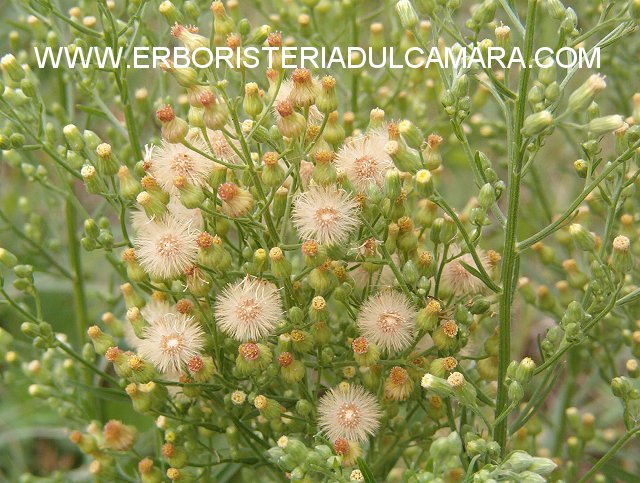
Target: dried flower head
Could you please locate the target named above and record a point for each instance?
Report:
(236, 201)
(388, 320)
(169, 160)
(457, 279)
(325, 214)
(398, 385)
(166, 247)
(352, 414)
(364, 160)
(118, 436)
(171, 342)
(249, 309)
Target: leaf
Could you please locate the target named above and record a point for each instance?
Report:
(93, 111)
(473, 271)
(366, 471)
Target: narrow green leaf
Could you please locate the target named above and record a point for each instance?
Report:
(366, 471)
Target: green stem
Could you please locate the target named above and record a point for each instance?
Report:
(76, 269)
(542, 234)
(609, 454)
(510, 263)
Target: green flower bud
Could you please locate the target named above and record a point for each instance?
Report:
(620, 386)
(290, 123)
(605, 124)
(14, 97)
(584, 95)
(621, 259)
(525, 370)
(23, 271)
(411, 134)
(487, 196)
(169, 11)
(424, 183)
(408, 17)
(304, 407)
(515, 392)
(464, 391)
(252, 104)
(191, 196)
(129, 186)
(392, 184)
(581, 167)
(484, 13)
(152, 205)
(268, 408)
(30, 329)
(437, 385)
(280, 266)
(584, 240)
(518, 461)
(479, 306)
(10, 65)
(333, 132)
(223, 25)
(536, 123)
(7, 258)
(73, 137)
(410, 272)
(404, 159)
(556, 9)
(327, 99)
(252, 358)
(542, 466)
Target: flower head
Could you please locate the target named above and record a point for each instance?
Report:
(304, 88)
(169, 160)
(458, 280)
(352, 414)
(154, 310)
(388, 320)
(325, 214)
(285, 93)
(221, 148)
(188, 216)
(118, 436)
(249, 309)
(236, 201)
(166, 247)
(171, 342)
(398, 386)
(238, 397)
(364, 160)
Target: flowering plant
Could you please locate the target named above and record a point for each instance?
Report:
(229, 272)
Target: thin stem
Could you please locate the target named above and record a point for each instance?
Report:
(510, 263)
(76, 268)
(557, 224)
(609, 454)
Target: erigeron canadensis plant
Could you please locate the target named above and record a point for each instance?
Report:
(226, 274)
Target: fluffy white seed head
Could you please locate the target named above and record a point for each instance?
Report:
(352, 414)
(169, 160)
(457, 279)
(364, 160)
(171, 341)
(166, 247)
(388, 320)
(325, 214)
(249, 309)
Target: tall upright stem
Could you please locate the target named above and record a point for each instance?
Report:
(80, 300)
(510, 266)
